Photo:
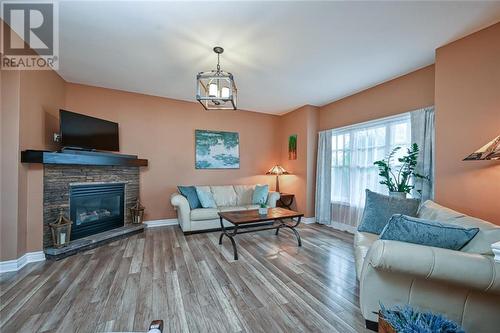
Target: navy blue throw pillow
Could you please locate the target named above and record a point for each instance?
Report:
(192, 197)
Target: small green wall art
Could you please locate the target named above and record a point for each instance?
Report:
(217, 150)
(292, 147)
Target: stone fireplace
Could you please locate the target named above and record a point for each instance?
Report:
(96, 198)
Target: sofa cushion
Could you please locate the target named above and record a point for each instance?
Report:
(205, 196)
(224, 195)
(244, 194)
(427, 232)
(249, 207)
(362, 243)
(189, 192)
(481, 244)
(260, 194)
(379, 208)
(231, 208)
(199, 214)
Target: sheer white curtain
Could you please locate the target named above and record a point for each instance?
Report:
(422, 133)
(354, 149)
(323, 211)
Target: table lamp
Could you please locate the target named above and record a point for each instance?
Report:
(277, 171)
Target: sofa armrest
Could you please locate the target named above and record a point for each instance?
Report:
(181, 204)
(272, 198)
(473, 271)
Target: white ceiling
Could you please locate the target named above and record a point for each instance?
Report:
(283, 54)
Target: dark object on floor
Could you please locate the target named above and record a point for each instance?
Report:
(371, 325)
(156, 326)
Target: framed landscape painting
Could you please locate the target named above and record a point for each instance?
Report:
(217, 150)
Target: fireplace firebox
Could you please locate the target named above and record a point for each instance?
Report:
(96, 208)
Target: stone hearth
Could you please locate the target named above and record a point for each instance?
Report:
(59, 178)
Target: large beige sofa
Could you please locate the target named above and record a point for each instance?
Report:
(227, 198)
(464, 285)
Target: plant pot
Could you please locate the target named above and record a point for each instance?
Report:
(384, 326)
(399, 195)
(263, 211)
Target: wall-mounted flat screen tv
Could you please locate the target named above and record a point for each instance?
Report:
(85, 132)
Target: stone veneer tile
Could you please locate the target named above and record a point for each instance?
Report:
(58, 178)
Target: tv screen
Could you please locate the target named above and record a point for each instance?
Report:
(81, 131)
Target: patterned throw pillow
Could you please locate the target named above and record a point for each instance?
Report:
(427, 232)
(206, 198)
(260, 194)
(192, 197)
(379, 208)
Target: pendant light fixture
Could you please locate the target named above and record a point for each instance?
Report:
(215, 89)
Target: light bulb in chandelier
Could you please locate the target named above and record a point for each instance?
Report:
(213, 90)
(224, 93)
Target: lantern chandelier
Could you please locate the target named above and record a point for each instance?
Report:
(215, 89)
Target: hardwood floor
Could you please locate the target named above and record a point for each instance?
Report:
(193, 284)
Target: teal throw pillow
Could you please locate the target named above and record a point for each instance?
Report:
(260, 194)
(206, 198)
(379, 208)
(427, 232)
(192, 197)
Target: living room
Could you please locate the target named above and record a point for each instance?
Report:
(310, 85)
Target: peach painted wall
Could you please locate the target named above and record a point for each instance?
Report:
(28, 100)
(301, 182)
(467, 117)
(42, 95)
(408, 92)
(162, 131)
(10, 89)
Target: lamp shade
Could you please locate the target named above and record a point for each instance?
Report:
(490, 151)
(277, 170)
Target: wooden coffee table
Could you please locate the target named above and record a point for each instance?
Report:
(247, 217)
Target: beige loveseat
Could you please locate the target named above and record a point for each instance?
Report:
(227, 198)
(463, 285)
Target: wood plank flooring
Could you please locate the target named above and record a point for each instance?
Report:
(193, 284)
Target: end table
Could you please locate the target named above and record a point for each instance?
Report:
(285, 200)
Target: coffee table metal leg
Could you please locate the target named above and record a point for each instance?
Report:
(234, 248)
(230, 236)
(291, 227)
(299, 241)
(295, 231)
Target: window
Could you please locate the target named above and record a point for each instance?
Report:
(354, 149)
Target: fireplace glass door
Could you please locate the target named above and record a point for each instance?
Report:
(95, 208)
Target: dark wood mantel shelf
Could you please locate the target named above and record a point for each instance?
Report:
(77, 158)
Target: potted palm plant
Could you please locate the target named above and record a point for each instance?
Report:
(399, 181)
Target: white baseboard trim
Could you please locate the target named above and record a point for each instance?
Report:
(308, 220)
(160, 223)
(342, 227)
(16, 264)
